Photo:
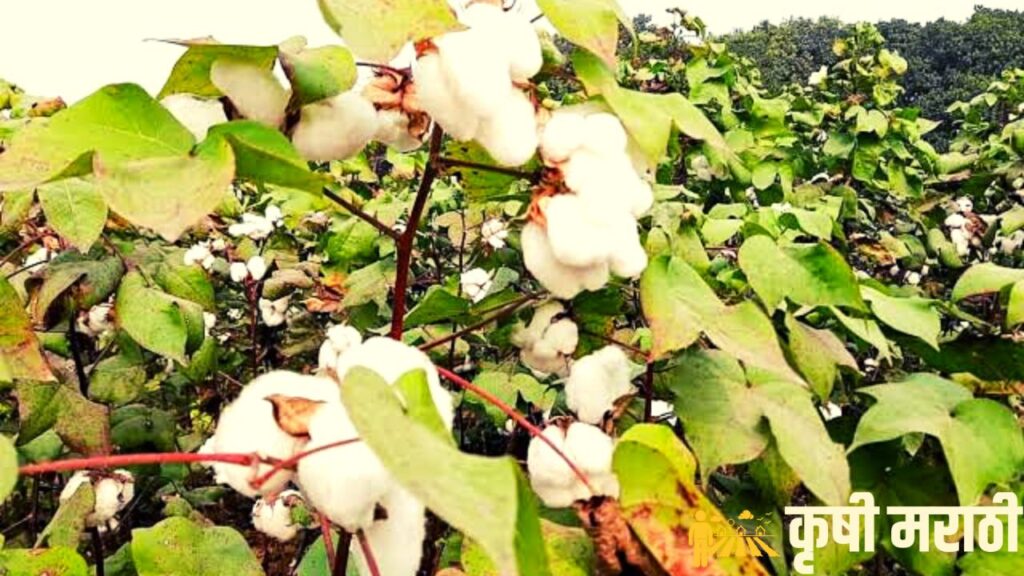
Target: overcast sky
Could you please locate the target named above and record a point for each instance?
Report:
(70, 47)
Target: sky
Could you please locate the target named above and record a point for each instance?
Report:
(71, 47)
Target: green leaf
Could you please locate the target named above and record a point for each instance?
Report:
(914, 316)
(419, 404)
(984, 279)
(170, 194)
(67, 525)
(590, 24)
(117, 380)
(764, 175)
(865, 329)
(679, 306)
(721, 415)
(818, 354)
(83, 425)
(808, 274)
(436, 306)
(76, 210)
(317, 73)
(121, 122)
(187, 282)
(429, 466)
(191, 73)
(50, 561)
(8, 467)
(180, 547)
(839, 144)
(20, 357)
(659, 499)
(370, 284)
(873, 121)
(980, 438)
(139, 428)
(1015, 306)
(265, 156)
(479, 185)
(154, 319)
(508, 387)
(377, 30)
(570, 553)
(990, 358)
(87, 282)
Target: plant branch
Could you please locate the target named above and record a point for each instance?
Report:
(405, 243)
(341, 556)
(648, 391)
(325, 531)
(384, 67)
(449, 163)
(359, 213)
(289, 463)
(19, 248)
(502, 312)
(117, 460)
(519, 419)
(371, 561)
(620, 344)
(97, 549)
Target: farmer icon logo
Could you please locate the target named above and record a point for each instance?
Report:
(714, 538)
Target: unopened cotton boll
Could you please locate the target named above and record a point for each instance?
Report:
(340, 339)
(397, 541)
(596, 382)
(248, 425)
(588, 448)
(196, 114)
(275, 518)
(391, 359)
(562, 280)
(510, 135)
(335, 129)
(345, 483)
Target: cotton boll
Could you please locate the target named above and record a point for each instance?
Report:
(586, 171)
(391, 359)
(345, 482)
(561, 280)
(257, 267)
(591, 451)
(955, 220)
(436, 97)
(273, 311)
(526, 56)
(238, 271)
(510, 136)
(247, 425)
(340, 339)
(561, 136)
(550, 476)
(477, 71)
(393, 130)
(964, 204)
(628, 257)
(476, 283)
(603, 134)
(275, 518)
(196, 114)
(596, 382)
(335, 129)
(575, 239)
(396, 542)
(111, 492)
(494, 233)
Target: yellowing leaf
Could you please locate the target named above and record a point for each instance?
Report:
(377, 29)
(75, 209)
(20, 357)
(591, 24)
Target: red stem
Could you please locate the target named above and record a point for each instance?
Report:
(519, 419)
(134, 460)
(290, 463)
(325, 530)
(371, 561)
(365, 217)
(405, 243)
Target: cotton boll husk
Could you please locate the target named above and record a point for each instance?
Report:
(562, 135)
(477, 71)
(550, 477)
(393, 130)
(346, 482)
(574, 238)
(196, 114)
(397, 542)
(335, 129)
(390, 359)
(604, 135)
(561, 280)
(247, 425)
(436, 97)
(596, 382)
(510, 136)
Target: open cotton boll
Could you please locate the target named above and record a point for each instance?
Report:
(628, 257)
(526, 57)
(510, 136)
(335, 129)
(275, 518)
(546, 345)
(476, 68)
(591, 451)
(562, 280)
(550, 476)
(391, 359)
(196, 114)
(437, 98)
(596, 382)
(393, 130)
(346, 482)
(340, 339)
(561, 136)
(603, 134)
(112, 493)
(574, 238)
(396, 542)
(247, 425)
